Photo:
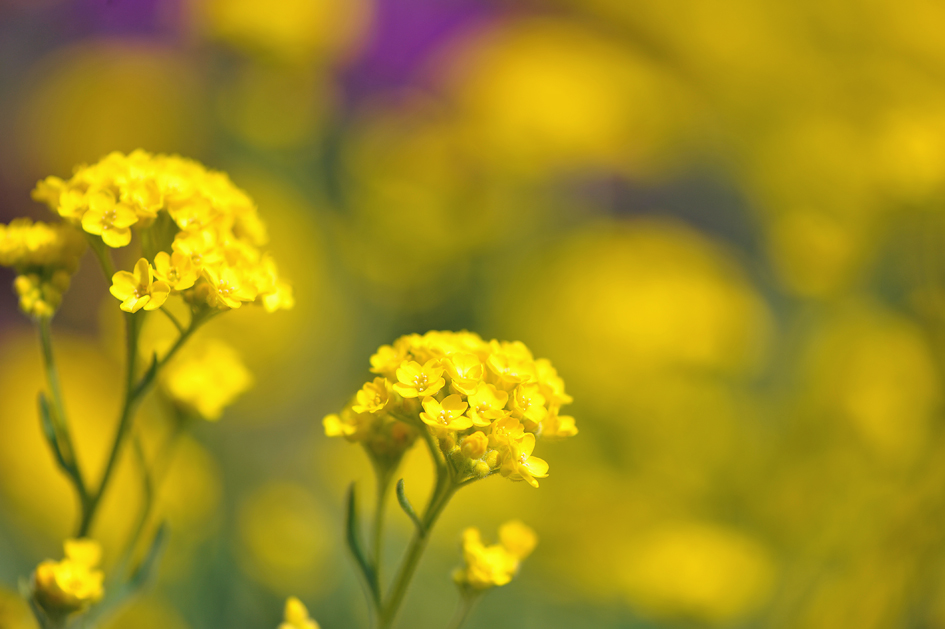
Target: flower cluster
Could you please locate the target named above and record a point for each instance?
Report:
(70, 585)
(206, 380)
(45, 256)
(490, 566)
(485, 402)
(200, 233)
(296, 616)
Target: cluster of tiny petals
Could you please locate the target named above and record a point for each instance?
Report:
(494, 565)
(73, 583)
(486, 402)
(214, 256)
(45, 256)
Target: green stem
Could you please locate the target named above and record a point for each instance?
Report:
(467, 603)
(61, 424)
(444, 490)
(103, 255)
(169, 315)
(134, 394)
(152, 477)
(377, 551)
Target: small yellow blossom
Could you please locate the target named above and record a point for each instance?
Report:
(519, 464)
(176, 269)
(528, 404)
(139, 290)
(447, 414)
(144, 197)
(487, 404)
(416, 380)
(558, 426)
(373, 397)
(495, 565)
(72, 584)
(512, 362)
(227, 288)
(296, 616)
(207, 379)
(465, 372)
(518, 538)
(109, 219)
(388, 358)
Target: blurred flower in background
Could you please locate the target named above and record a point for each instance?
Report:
(722, 222)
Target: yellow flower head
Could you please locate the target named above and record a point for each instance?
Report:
(72, 584)
(184, 211)
(139, 290)
(517, 463)
(528, 404)
(485, 403)
(447, 414)
(207, 379)
(176, 269)
(495, 565)
(296, 616)
(465, 372)
(109, 219)
(373, 397)
(416, 380)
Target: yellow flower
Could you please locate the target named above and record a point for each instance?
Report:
(528, 404)
(139, 290)
(201, 247)
(216, 224)
(72, 584)
(279, 298)
(415, 380)
(176, 269)
(26, 245)
(206, 380)
(518, 538)
(344, 425)
(487, 404)
(465, 372)
(511, 362)
(296, 616)
(109, 219)
(388, 358)
(519, 464)
(558, 426)
(373, 397)
(496, 386)
(490, 566)
(227, 288)
(447, 414)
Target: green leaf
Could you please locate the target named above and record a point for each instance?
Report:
(407, 507)
(354, 545)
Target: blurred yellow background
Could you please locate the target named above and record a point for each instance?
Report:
(723, 221)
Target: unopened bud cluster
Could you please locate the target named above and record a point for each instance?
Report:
(45, 256)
